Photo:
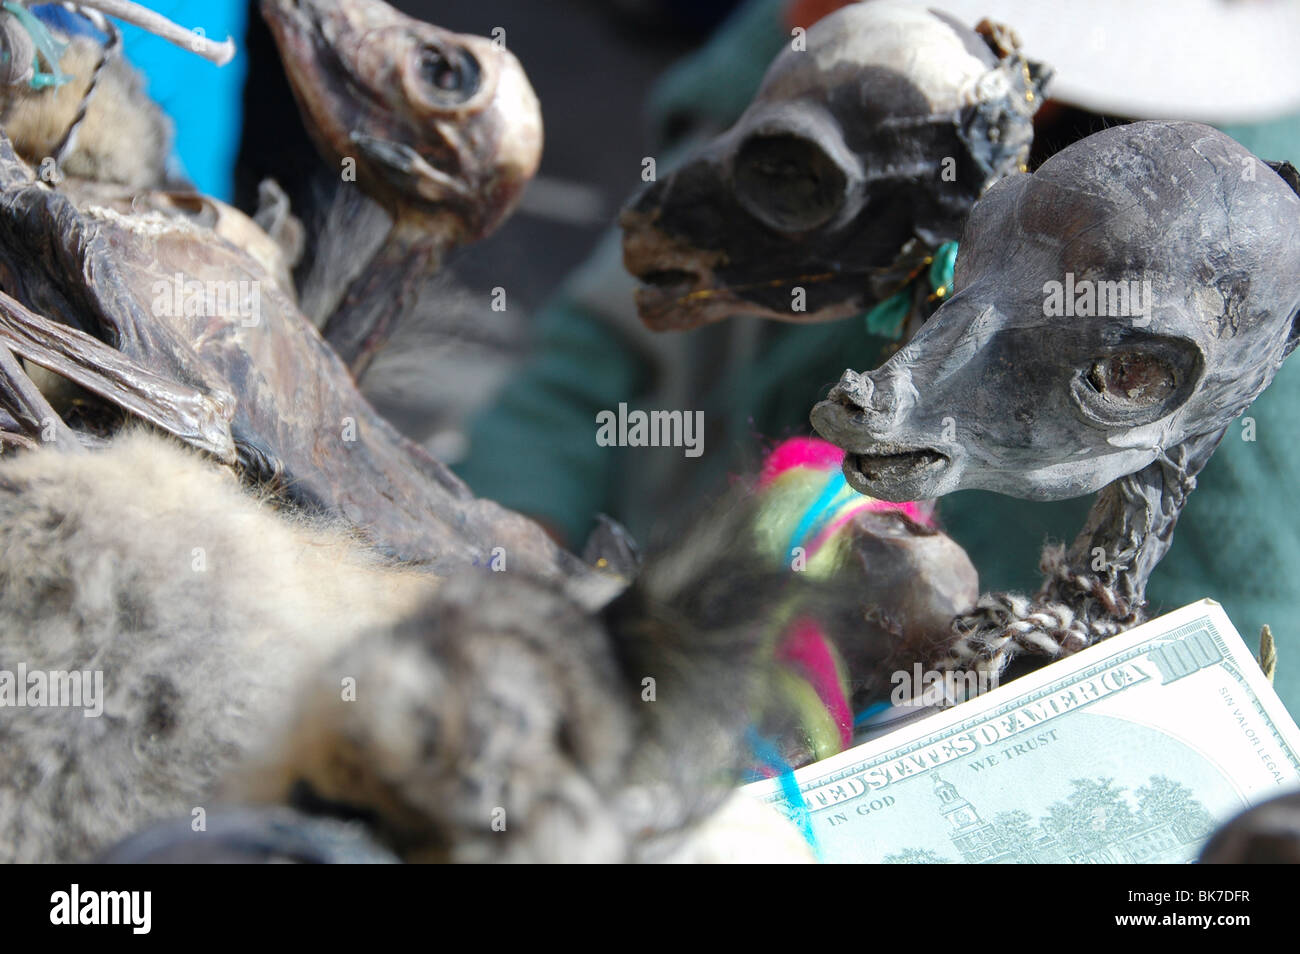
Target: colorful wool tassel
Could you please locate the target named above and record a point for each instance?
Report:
(805, 508)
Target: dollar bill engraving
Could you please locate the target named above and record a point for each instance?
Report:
(1131, 751)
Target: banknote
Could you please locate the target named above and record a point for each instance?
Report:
(1131, 751)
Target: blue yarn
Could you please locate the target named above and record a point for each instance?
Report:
(205, 101)
(870, 711)
(817, 514)
(768, 754)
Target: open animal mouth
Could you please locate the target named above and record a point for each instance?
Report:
(664, 287)
(907, 466)
(674, 298)
(669, 278)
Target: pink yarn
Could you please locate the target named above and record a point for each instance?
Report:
(800, 452)
(817, 454)
(806, 648)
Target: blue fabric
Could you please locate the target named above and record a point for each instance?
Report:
(57, 18)
(817, 514)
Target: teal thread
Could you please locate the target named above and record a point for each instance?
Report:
(869, 712)
(767, 754)
(47, 48)
(943, 266)
(887, 318)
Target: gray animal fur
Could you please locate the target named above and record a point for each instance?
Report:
(125, 137)
(223, 679)
(98, 558)
(505, 702)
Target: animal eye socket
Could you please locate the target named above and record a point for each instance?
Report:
(1136, 385)
(788, 182)
(1133, 377)
(451, 75)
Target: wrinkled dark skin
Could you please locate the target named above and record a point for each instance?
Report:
(913, 580)
(270, 392)
(444, 130)
(837, 165)
(1020, 389)
(997, 394)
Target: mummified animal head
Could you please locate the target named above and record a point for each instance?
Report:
(1138, 290)
(435, 120)
(885, 129)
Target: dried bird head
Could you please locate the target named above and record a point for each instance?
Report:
(440, 125)
(1137, 291)
(882, 132)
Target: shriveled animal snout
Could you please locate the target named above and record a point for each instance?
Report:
(860, 413)
(890, 456)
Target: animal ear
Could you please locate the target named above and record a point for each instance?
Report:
(612, 548)
(997, 134)
(1288, 173)
(998, 37)
(1291, 176)
(1293, 337)
(1004, 43)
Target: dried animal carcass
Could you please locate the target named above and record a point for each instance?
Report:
(1181, 255)
(861, 154)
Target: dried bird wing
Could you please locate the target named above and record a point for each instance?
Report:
(299, 419)
(27, 413)
(198, 418)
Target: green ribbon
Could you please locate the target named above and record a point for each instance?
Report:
(47, 48)
(941, 269)
(886, 319)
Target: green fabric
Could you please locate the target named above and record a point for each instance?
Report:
(715, 83)
(1238, 540)
(887, 317)
(535, 450)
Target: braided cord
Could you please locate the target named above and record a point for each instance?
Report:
(110, 49)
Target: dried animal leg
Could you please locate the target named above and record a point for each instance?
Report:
(202, 420)
(27, 408)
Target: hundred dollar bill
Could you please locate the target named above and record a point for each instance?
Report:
(1133, 750)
